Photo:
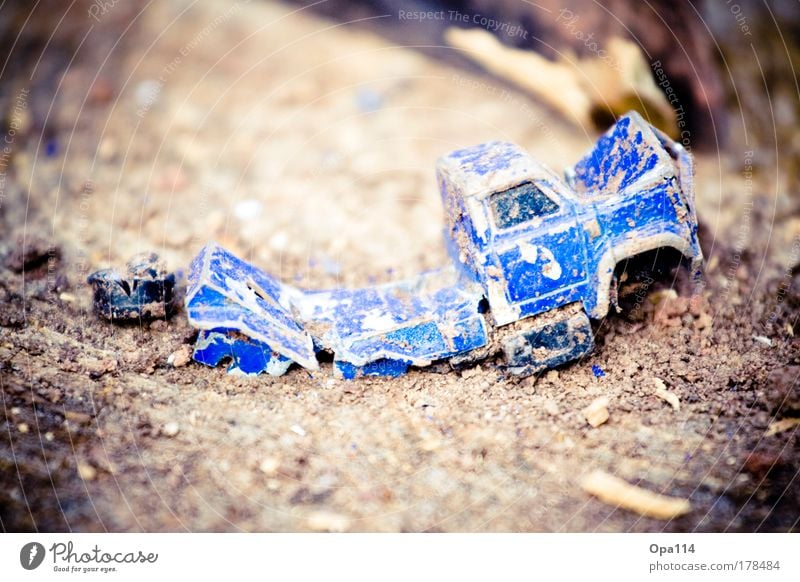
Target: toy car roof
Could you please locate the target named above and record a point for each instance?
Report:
(483, 169)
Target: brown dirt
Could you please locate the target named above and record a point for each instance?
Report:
(101, 433)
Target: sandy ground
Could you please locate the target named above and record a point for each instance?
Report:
(309, 148)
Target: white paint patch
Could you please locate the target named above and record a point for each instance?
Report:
(532, 253)
(376, 321)
(479, 222)
(529, 253)
(551, 269)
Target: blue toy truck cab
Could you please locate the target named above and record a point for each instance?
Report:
(533, 258)
(537, 242)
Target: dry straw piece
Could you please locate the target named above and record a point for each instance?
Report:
(615, 491)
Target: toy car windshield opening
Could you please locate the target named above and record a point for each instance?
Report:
(520, 204)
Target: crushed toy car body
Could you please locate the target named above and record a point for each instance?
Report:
(145, 291)
(533, 257)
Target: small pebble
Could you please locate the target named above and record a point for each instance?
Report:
(171, 429)
(278, 241)
(248, 209)
(269, 466)
(67, 297)
(77, 417)
(86, 471)
(328, 522)
(180, 357)
(23, 427)
(666, 395)
(48, 436)
(597, 412)
(429, 445)
(297, 429)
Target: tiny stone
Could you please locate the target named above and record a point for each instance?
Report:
(15, 410)
(430, 444)
(171, 429)
(278, 241)
(78, 417)
(67, 297)
(86, 471)
(597, 412)
(328, 521)
(269, 466)
(180, 357)
(48, 436)
(297, 429)
(248, 209)
(552, 375)
(23, 427)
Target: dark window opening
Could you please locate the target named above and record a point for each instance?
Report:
(520, 204)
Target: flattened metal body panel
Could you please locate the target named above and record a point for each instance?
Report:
(261, 324)
(226, 293)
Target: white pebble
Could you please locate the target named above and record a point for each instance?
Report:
(248, 209)
(171, 429)
(269, 466)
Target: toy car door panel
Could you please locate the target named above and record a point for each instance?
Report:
(539, 248)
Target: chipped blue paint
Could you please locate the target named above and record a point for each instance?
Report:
(620, 158)
(488, 157)
(527, 247)
(247, 356)
(383, 367)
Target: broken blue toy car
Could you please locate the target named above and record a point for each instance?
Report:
(533, 259)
